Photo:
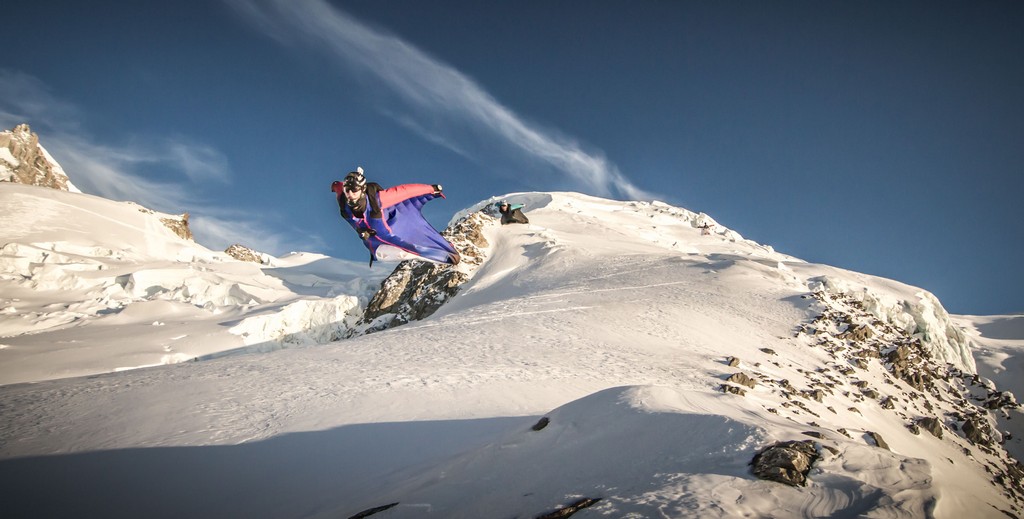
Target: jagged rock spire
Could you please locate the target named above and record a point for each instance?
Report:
(24, 161)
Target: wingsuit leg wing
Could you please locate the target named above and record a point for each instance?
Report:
(402, 226)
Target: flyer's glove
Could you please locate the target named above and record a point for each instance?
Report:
(367, 233)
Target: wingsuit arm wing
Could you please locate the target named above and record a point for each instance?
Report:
(398, 194)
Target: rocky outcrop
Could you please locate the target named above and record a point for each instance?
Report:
(179, 225)
(243, 253)
(373, 511)
(879, 365)
(786, 462)
(416, 289)
(24, 161)
(571, 509)
(924, 390)
(932, 425)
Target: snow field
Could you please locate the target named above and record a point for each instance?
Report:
(614, 320)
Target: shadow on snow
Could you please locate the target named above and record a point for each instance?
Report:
(287, 476)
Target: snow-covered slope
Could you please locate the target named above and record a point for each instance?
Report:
(619, 323)
(88, 285)
(1000, 356)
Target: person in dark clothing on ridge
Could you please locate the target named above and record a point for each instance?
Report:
(511, 213)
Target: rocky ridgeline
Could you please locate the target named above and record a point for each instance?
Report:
(926, 394)
(416, 289)
(243, 253)
(179, 225)
(24, 161)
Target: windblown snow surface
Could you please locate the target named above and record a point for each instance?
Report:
(613, 320)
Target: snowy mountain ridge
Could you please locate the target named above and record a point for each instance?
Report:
(613, 358)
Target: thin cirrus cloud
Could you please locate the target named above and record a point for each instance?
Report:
(462, 116)
(115, 172)
(123, 172)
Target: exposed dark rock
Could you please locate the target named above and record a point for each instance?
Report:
(733, 362)
(370, 511)
(786, 462)
(857, 333)
(542, 423)
(728, 388)
(877, 438)
(179, 225)
(243, 253)
(1000, 399)
(416, 289)
(1012, 477)
(977, 431)
(741, 379)
(571, 509)
(816, 395)
(932, 425)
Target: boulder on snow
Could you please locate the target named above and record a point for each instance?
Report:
(877, 438)
(414, 291)
(932, 425)
(741, 379)
(373, 511)
(243, 253)
(977, 431)
(728, 388)
(857, 333)
(786, 462)
(571, 509)
(541, 424)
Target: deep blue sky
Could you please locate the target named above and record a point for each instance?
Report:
(882, 137)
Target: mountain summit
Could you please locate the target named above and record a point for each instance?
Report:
(23, 160)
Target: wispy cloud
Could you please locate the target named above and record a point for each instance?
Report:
(119, 172)
(451, 109)
(125, 171)
(24, 98)
(225, 226)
